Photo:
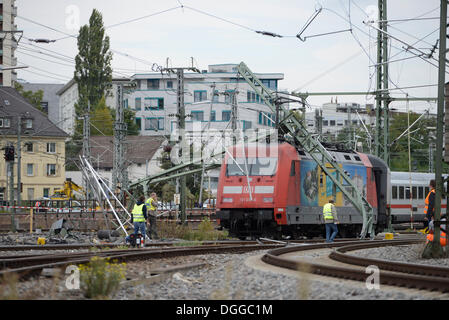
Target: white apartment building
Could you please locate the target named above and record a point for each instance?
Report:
(337, 116)
(68, 97)
(155, 100)
(8, 42)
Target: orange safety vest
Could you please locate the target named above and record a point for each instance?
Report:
(443, 238)
(427, 201)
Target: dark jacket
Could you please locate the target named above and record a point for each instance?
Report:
(431, 207)
(144, 210)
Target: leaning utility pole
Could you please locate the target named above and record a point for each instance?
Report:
(119, 171)
(381, 139)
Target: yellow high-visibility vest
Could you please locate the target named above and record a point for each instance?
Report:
(327, 211)
(149, 204)
(138, 213)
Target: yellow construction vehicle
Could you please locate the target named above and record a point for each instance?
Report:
(67, 192)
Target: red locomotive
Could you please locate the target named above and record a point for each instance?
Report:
(277, 190)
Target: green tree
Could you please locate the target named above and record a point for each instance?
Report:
(93, 72)
(35, 98)
(419, 142)
(101, 121)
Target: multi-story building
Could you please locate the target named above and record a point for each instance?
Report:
(8, 42)
(336, 116)
(155, 100)
(42, 147)
(50, 100)
(68, 97)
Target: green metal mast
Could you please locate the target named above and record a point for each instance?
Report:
(435, 250)
(291, 125)
(381, 140)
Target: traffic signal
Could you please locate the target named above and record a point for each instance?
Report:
(9, 153)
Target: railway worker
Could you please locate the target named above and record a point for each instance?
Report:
(330, 220)
(443, 233)
(139, 216)
(429, 207)
(151, 205)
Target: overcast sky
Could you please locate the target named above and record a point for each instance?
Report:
(214, 32)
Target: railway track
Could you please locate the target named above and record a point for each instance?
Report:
(28, 265)
(400, 274)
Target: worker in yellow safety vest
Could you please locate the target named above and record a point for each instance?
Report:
(330, 220)
(139, 216)
(151, 205)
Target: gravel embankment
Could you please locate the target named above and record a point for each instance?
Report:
(408, 253)
(227, 276)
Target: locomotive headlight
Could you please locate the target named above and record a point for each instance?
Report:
(267, 199)
(228, 200)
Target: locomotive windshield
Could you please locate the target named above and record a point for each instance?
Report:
(256, 167)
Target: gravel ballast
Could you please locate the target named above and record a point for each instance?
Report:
(237, 276)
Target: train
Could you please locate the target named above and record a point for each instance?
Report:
(278, 191)
(408, 192)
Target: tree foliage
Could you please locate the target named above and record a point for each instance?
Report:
(93, 71)
(35, 98)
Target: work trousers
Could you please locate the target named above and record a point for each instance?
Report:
(153, 228)
(331, 232)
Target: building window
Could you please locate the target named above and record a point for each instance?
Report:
(138, 104)
(139, 123)
(247, 125)
(332, 123)
(138, 84)
(160, 123)
(271, 84)
(51, 169)
(51, 147)
(154, 104)
(197, 116)
(325, 123)
(213, 116)
(199, 95)
(30, 169)
(169, 84)
(44, 106)
(4, 123)
(29, 123)
(154, 124)
(46, 192)
(28, 146)
(226, 115)
(153, 84)
(215, 97)
(250, 96)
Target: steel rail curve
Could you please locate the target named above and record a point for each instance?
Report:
(391, 273)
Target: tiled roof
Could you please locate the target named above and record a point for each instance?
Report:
(12, 104)
(139, 149)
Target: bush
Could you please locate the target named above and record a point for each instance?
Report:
(100, 279)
